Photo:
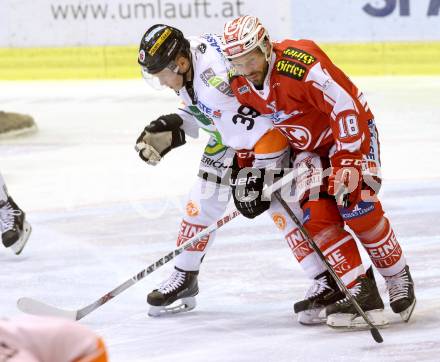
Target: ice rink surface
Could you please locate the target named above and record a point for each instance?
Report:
(100, 215)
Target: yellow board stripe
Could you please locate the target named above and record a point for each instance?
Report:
(120, 62)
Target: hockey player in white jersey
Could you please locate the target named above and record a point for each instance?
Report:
(15, 230)
(197, 71)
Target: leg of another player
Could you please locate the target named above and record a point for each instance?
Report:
(207, 201)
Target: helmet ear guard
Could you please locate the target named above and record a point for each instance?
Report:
(244, 34)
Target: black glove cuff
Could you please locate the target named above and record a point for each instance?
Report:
(167, 122)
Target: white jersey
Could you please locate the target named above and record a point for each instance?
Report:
(213, 105)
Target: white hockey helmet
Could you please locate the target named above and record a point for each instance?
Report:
(244, 34)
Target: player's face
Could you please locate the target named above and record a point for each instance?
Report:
(252, 65)
(169, 76)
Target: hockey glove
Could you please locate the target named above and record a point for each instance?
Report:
(247, 186)
(345, 180)
(159, 138)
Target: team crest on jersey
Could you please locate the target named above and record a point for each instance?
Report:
(299, 136)
(300, 55)
(290, 69)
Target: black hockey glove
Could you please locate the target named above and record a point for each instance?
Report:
(159, 138)
(247, 186)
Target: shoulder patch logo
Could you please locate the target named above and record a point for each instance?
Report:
(243, 89)
(290, 69)
(300, 55)
(202, 48)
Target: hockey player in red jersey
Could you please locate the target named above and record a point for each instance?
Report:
(318, 109)
(195, 68)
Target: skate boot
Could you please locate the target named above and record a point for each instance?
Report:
(323, 292)
(402, 297)
(343, 314)
(180, 287)
(15, 229)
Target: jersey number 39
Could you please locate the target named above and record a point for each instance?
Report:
(245, 115)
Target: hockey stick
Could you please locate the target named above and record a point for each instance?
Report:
(32, 306)
(373, 329)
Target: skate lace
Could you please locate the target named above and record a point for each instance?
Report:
(318, 286)
(397, 285)
(355, 290)
(7, 216)
(175, 281)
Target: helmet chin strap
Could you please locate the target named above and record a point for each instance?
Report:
(188, 77)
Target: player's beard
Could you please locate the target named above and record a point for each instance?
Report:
(256, 78)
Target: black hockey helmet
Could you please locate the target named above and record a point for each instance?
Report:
(160, 46)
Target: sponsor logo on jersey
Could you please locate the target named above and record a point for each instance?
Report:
(197, 113)
(244, 89)
(213, 42)
(215, 163)
(166, 33)
(300, 55)
(272, 106)
(217, 114)
(209, 77)
(279, 220)
(307, 215)
(299, 136)
(290, 69)
(208, 111)
(281, 116)
(192, 209)
(360, 209)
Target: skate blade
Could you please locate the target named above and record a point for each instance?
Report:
(355, 321)
(407, 313)
(19, 245)
(312, 317)
(183, 305)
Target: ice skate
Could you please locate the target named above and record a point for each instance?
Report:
(343, 314)
(322, 293)
(174, 295)
(15, 229)
(401, 290)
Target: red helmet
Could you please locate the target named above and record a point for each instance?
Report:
(244, 34)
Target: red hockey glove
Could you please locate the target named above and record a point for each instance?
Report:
(345, 180)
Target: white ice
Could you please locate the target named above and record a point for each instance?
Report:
(100, 215)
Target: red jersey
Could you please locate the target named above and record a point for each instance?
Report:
(310, 100)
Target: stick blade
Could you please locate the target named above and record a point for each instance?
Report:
(376, 335)
(32, 306)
